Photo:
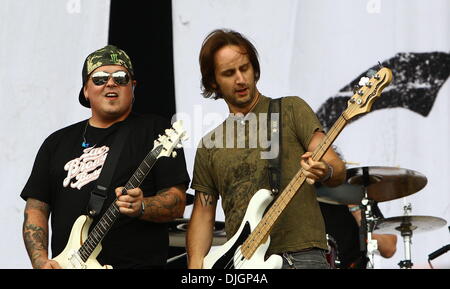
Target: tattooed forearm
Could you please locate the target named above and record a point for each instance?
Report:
(33, 204)
(165, 206)
(206, 199)
(35, 237)
(35, 231)
(36, 242)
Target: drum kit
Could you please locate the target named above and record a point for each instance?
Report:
(368, 186)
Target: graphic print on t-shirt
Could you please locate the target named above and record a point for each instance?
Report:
(86, 168)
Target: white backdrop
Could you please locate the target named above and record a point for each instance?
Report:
(43, 46)
(313, 49)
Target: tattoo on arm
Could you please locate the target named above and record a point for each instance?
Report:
(163, 207)
(35, 236)
(33, 204)
(206, 199)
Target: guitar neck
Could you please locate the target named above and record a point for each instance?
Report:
(262, 230)
(109, 217)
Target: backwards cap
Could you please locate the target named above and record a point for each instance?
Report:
(108, 55)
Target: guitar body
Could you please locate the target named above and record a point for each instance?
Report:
(221, 257)
(69, 257)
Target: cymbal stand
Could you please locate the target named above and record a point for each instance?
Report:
(368, 221)
(406, 233)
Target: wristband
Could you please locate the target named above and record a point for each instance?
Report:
(142, 210)
(354, 209)
(328, 175)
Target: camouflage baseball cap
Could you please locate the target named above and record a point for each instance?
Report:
(108, 55)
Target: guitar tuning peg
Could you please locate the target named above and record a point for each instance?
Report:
(371, 73)
(356, 88)
(363, 81)
(174, 154)
(380, 65)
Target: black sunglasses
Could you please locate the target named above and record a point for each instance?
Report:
(120, 77)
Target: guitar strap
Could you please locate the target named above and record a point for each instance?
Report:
(274, 130)
(98, 194)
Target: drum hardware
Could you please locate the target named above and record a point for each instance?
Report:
(367, 186)
(380, 184)
(406, 233)
(387, 183)
(368, 221)
(177, 239)
(178, 229)
(406, 225)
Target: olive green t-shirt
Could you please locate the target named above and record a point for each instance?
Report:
(230, 163)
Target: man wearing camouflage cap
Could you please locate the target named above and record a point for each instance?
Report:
(71, 159)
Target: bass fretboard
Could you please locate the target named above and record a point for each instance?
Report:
(112, 213)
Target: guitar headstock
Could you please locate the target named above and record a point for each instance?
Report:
(165, 144)
(365, 96)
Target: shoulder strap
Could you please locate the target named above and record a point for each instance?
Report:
(98, 195)
(274, 130)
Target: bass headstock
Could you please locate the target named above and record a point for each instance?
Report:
(370, 90)
(165, 144)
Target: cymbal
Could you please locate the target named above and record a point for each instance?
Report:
(344, 194)
(416, 224)
(178, 229)
(387, 183)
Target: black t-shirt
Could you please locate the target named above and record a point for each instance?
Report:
(342, 227)
(64, 175)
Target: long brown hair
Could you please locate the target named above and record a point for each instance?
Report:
(214, 42)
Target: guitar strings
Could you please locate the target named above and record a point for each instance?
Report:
(89, 245)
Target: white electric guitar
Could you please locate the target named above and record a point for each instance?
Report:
(83, 247)
(247, 248)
